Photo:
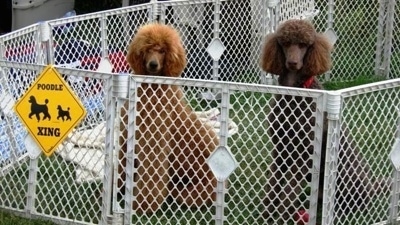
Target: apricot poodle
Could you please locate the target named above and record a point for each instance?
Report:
(172, 144)
(297, 54)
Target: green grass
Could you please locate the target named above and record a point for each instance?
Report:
(57, 193)
(359, 81)
(11, 219)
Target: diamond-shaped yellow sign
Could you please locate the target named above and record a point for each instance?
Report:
(50, 110)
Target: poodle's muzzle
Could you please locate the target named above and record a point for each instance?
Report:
(294, 54)
(154, 61)
(153, 67)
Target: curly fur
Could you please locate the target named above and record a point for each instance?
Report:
(316, 61)
(297, 53)
(172, 143)
(157, 36)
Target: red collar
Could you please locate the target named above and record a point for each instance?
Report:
(308, 82)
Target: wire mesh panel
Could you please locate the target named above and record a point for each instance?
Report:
(13, 154)
(203, 22)
(13, 83)
(107, 34)
(23, 46)
(69, 184)
(297, 9)
(388, 18)
(294, 128)
(358, 26)
(84, 41)
(276, 136)
(368, 128)
(168, 163)
(197, 33)
(366, 36)
(166, 186)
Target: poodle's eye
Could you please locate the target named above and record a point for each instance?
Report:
(161, 51)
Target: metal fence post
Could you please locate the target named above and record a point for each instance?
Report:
(219, 205)
(2, 49)
(270, 22)
(32, 181)
(156, 10)
(222, 163)
(329, 26)
(130, 169)
(45, 40)
(387, 50)
(104, 40)
(120, 94)
(33, 165)
(333, 108)
(215, 48)
(217, 13)
(380, 36)
(125, 3)
(331, 11)
(107, 200)
(395, 158)
(384, 37)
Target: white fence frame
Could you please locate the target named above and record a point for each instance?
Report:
(39, 38)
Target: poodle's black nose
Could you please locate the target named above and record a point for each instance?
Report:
(153, 65)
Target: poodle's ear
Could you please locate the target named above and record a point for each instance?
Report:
(135, 58)
(318, 57)
(272, 56)
(175, 60)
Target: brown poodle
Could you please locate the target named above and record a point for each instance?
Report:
(172, 144)
(297, 53)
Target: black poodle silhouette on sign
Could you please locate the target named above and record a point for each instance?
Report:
(36, 109)
(63, 113)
